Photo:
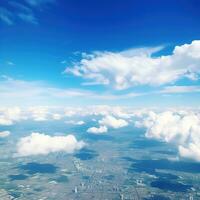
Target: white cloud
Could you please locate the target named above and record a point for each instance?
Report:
(5, 121)
(98, 110)
(112, 114)
(99, 130)
(4, 134)
(137, 67)
(75, 122)
(113, 122)
(179, 127)
(56, 116)
(80, 122)
(39, 113)
(10, 115)
(180, 89)
(191, 151)
(107, 120)
(41, 144)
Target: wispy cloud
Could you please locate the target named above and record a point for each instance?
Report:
(180, 89)
(20, 6)
(10, 63)
(6, 16)
(28, 18)
(24, 11)
(39, 2)
(36, 93)
(20, 92)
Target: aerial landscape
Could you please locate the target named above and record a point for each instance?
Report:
(99, 100)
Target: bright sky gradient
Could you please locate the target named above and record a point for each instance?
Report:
(74, 52)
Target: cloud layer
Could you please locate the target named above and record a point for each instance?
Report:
(41, 144)
(138, 67)
(11, 115)
(178, 126)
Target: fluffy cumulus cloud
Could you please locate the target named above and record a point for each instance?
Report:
(97, 130)
(138, 67)
(4, 134)
(105, 122)
(113, 122)
(42, 144)
(179, 127)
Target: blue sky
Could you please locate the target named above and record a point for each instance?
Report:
(76, 52)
